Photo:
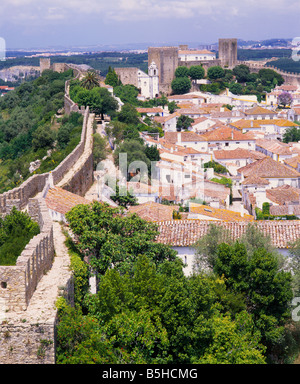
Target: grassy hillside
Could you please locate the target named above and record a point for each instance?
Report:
(31, 130)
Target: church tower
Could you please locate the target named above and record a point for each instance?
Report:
(153, 80)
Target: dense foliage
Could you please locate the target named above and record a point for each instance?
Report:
(240, 81)
(30, 127)
(89, 93)
(256, 274)
(146, 310)
(16, 230)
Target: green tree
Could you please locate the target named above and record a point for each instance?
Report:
(183, 122)
(267, 75)
(234, 342)
(291, 135)
(266, 289)
(181, 71)
(242, 73)
(172, 106)
(196, 72)
(43, 137)
(98, 99)
(123, 197)
(112, 78)
(181, 85)
(111, 239)
(90, 80)
(16, 230)
(215, 72)
(128, 114)
(236, 88)
(207, 247)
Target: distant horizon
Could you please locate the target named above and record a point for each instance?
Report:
(137, 45)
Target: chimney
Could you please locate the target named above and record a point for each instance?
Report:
(290, 209)
(232, 134)
(179, 137)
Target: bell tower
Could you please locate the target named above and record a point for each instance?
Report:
(153, 80)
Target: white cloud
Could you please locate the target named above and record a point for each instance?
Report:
(132, 10)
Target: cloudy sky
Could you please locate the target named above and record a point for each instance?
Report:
(45, 23)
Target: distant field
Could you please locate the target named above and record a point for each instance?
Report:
(100, 61)
(260, 54)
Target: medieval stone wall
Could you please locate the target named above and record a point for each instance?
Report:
(17, 283)
(27, 334)
(128, 75)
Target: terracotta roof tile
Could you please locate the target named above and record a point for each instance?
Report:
(218, 213)
(238, 153)
(151, 211)
(283, 194)
(62, 201)
(185, 233)
(228, 134)
(259, 111)
(268, 168)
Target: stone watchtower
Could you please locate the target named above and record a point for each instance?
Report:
(45, 64)
(228, 52)
(166, 60)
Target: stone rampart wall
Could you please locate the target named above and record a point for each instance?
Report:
(17, 283)
(27, 343)
(22, 340)
(36, 183)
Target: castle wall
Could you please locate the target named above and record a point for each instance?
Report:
(128, 75)
(27, 336)
(205, 64)
(36, 346)
(17, 283)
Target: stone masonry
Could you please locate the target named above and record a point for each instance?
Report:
(29, 290)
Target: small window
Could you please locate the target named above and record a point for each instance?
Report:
(226, 144)
(3, 284)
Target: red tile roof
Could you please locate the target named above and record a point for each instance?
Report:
(259, 111)
(227, 134)
(238, 153)
(62, 201)
(151, 211)
(185, 233)
(268, 168)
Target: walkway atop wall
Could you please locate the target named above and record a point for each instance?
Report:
(41, 308)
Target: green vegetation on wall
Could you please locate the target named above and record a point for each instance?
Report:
(16, 230)
(31, 130)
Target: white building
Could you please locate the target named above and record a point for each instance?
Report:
(196, 55)
(149, 83)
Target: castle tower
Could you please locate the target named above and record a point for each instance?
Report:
(166, 59)
(228, 52)
(44, 64)
(153, 80)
